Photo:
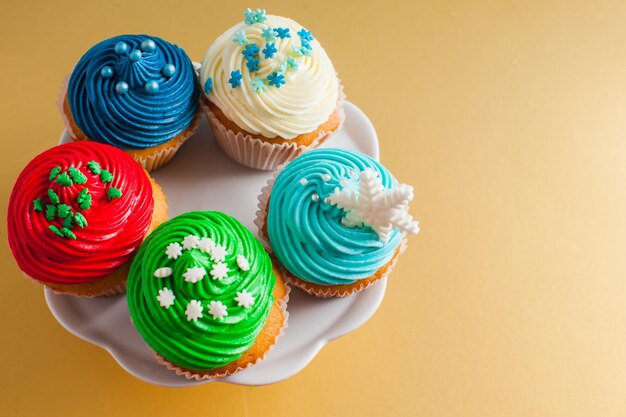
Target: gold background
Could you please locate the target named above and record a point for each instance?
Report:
(509, 118)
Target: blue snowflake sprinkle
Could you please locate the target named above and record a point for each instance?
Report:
(252, 64)
(250, 50)
(259, 16)
(305, 35)
(292, 63)
(258, 85)
(306, 45)
(269, 50)
(269, 34)
(282, 33)
(208, 85)
(235, 78)
(300, 51)
(240, 37)
(276, 79)
(282, 68)
(249, 17)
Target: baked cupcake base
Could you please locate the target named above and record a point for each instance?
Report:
(114, 283)
(273, 329)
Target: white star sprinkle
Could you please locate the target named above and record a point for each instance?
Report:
(194, 274)
(244, 299)
(191, 242)
(174, 250)
(243, 263)
(218, 253)
(206, 245)
(372, 205)
(217, 310)
(194, 310)
(165, 297)
(219, 270)
(163, 272)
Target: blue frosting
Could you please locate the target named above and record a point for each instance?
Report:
(142, 117)
(308, 237)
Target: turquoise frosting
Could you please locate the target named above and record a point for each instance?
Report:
(141, 114)
(308, 237)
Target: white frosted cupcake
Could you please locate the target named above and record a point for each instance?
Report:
(271, 91)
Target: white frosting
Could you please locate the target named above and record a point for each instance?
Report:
(306, 100)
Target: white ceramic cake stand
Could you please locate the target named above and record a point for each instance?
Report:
(202, 177)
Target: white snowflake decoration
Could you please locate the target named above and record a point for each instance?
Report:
(206, 245)
(191, 242)
(194, 310)
(217, 310)
(194, 274)
(372, 205)
(244, 299)
(163, 272)
(174, 250)
(219, 270)
(218, 253)
(165, 297)
(242, 262)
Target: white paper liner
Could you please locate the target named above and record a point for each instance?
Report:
(258, 154)
(331, 290)
(149, 162)
(282, 304)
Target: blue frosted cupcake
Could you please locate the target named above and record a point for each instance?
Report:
(336, 220)
(136, 92)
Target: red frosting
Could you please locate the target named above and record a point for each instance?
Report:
(115, 226)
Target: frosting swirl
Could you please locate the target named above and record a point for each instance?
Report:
(306, 99)
(200, 290)
(133, 92)
(307, 234)
(78, 212)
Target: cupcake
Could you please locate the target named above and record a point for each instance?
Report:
(138, 93)
(336, 220)
(203, 294)
(271, 92)
(77, 214)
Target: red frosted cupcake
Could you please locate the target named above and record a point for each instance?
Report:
(77, 214)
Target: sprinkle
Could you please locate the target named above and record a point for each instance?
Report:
(250, 50)
(54, 198)
(194, 310)
(163, 272)
(305, 35)
(194, 274)
(282, 33)
(39, 204)
(217, 310)
(53, 173)
(121, 48)
(235, 78)
(190, 242)
(64, 180)
(77, 176)
(69, 222)
(300, 51)
(218, 253)
(94, 167)
(219, 270)
(63, 210)
(276, 79)
(268, 33)
(51, 212)
(315, 197)
(84, 199)
(326, 177)
(269, 50)
(174, 250)
(292, 63)
(282, 68)
(206, 245)
(80, 220)
(105, 176)
(327, 200)
(249, 17)
(243, 263)
(165, 297)
(114, 193)
(135, 55)
(168, 70)
(56, 230)
(148, 45)
(107, 72)
(258, 85)
(244, 299)
(252, 64)
(259, 16)
(151, 87)
(208, 85)
(240, 37)
(121, 87)
(304, 181)
(306, 45)
(68, 233)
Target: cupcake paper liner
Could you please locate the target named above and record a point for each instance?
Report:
(258, 154)
(331, 290)
(282, 304)
(117, 290)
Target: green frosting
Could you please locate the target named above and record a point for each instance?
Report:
(175, 255)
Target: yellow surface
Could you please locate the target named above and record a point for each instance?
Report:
(509, 118)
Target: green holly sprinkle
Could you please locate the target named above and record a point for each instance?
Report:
(77, 176)
(54, 198)
(39, 204)
(63, 210)
(94, 167)
(53, 173)
(105, 176)
(64, 179)
(80, 220)
(56, 230)
(114, 193)
(68, 233)
(51, 212)
(68, 222)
